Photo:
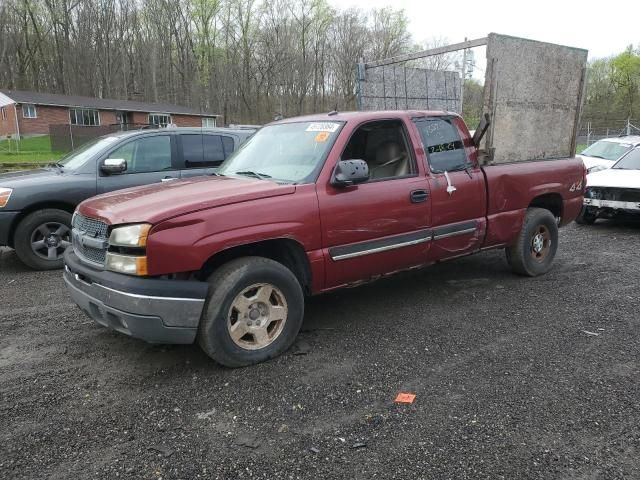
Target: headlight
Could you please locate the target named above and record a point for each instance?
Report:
(130, 236)
(596, 168)
(5, 193)
(129, 264)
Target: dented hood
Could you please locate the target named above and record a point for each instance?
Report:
(614, 177)
(161, 201)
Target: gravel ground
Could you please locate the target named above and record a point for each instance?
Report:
(508, 381)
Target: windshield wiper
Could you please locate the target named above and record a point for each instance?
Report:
(249, 173)
(597, 156)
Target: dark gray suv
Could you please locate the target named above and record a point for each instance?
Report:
(36, 205)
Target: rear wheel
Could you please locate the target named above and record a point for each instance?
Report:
(254, 312)
(42, 237)
(537, 243)
(586, 217)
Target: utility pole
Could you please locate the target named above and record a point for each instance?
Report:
(628, 126)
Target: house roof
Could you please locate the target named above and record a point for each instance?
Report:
(55, 99)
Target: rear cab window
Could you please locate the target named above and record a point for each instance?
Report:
(443, 145)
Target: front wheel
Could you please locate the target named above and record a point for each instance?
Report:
(42, 237)
(254, 312)
(537, 243)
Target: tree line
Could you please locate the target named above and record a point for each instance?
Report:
(613, 90)
(246, 59)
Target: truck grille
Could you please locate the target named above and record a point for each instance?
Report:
(611, 193)
(92, 230)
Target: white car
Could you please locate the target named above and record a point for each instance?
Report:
(604, 153)
(614, 191)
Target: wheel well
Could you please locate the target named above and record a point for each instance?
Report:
(67, 207)
(549, 201)
(288, 252)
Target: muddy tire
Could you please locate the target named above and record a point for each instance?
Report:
(42, 237)
(253, 313)
(537, 243)
(586, 217)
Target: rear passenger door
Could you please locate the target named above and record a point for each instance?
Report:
(149, 158)
(201, 154)
(457, 187)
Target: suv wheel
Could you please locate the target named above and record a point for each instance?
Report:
(42, 237)
(254, 312)
(536, 246)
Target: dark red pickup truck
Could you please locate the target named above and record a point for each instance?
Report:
(306, 206)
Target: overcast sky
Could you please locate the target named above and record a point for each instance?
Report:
(603, 28)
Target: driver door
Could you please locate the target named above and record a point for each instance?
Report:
(150, 159)
(380, 226)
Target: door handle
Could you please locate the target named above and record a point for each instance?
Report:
(166, 179)
(418, 196)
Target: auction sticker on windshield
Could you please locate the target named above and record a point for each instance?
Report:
(323, 127)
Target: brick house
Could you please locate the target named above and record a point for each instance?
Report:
(24, 114)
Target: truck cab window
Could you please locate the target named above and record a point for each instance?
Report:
(442, 144)
(383, 145)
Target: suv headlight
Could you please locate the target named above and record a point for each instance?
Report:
(5, 194)
(130, 236)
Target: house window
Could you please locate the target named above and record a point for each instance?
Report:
(4, 113)
(84, 116)
(208, 122)
(29, 110)
(159, 119)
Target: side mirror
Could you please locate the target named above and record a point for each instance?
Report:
(113, 166)
(350, 172)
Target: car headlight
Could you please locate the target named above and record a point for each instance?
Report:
(596, 168)
(128, 264)
(5, 194)
(130, 236)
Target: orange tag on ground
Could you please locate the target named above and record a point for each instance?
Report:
(322, 137)
(405, 398)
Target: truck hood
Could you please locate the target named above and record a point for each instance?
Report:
(161, 201)
(590, 162)
(614, 177)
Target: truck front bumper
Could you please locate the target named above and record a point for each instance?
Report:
(151, 309)
(630, 207)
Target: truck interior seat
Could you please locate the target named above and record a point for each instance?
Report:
(390, 161)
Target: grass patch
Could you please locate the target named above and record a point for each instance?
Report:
(27, 150)
(580, 147)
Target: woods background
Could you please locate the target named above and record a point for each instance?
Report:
(245, 59)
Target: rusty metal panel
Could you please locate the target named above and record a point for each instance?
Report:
(533, 93)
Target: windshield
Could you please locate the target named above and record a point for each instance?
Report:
(77, 158)
(630, 161)
(287, 152)
(607, 150)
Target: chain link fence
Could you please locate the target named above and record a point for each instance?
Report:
(592, 131)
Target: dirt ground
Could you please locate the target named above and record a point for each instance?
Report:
(514, 378)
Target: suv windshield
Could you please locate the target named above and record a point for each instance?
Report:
(607, 150)
(77, 158)
(630, 161)
(287, 152)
